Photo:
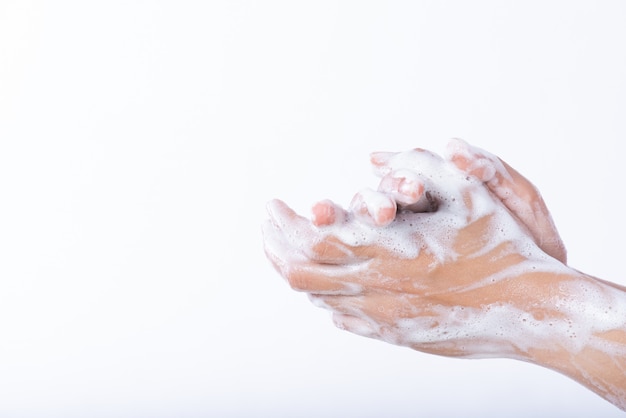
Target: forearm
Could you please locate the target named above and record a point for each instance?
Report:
(588, 342)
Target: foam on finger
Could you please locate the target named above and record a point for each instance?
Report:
(373, 208)
(404, 186)
(379, 162)
(326, 213)
(475, 161)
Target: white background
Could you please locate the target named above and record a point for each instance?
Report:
(140, 140)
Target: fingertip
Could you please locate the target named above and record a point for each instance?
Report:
(471, 160)
(275, 206)
(275, 248)
(486, 172)
(459, 161)
(404, 186)
(457, 151)
(482, 169)
(354, 324)
(279, 212)
(385, 215)
(285, 218)
(322, 213)
(373, 208)
(326, 213)
(380, 162)
(457, 146)
(358, 206)
(380, 158)
(410, 187)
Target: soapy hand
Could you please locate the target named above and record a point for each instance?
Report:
(436, 263)
(518, 194)
(457, 257)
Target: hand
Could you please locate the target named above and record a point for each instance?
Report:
(464, 279)
(518, 194)
(438, 262)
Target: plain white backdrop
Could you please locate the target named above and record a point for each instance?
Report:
(140, 141)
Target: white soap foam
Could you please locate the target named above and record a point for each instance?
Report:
(403, 185)
(412, 232)
(369, 205)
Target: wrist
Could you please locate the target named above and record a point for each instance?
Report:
(569, 314)
(542, 310)
(587, 341)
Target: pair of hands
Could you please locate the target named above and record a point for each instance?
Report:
(449, 256)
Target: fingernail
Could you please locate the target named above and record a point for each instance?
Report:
(457, 146)
(381, 158)
(374, 207)
(409, 186)
(489, 171)
(326, 213)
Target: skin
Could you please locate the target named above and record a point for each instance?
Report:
(501, 289)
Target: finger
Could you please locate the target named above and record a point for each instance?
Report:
(326, 213)
(517, 193)
(342, 304)
(441, 187)
(408, 190)
(324, 279)
(474, 161)
(299, 235)
(286, 218)
(346, 306)
(331, 250)
(418, 179)
(416, 160)
(278, 251)
(404, 186)
(522, 198)
(380, 162)
(355, 325)
(304, 275)
(373, 208)
(296, 231)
